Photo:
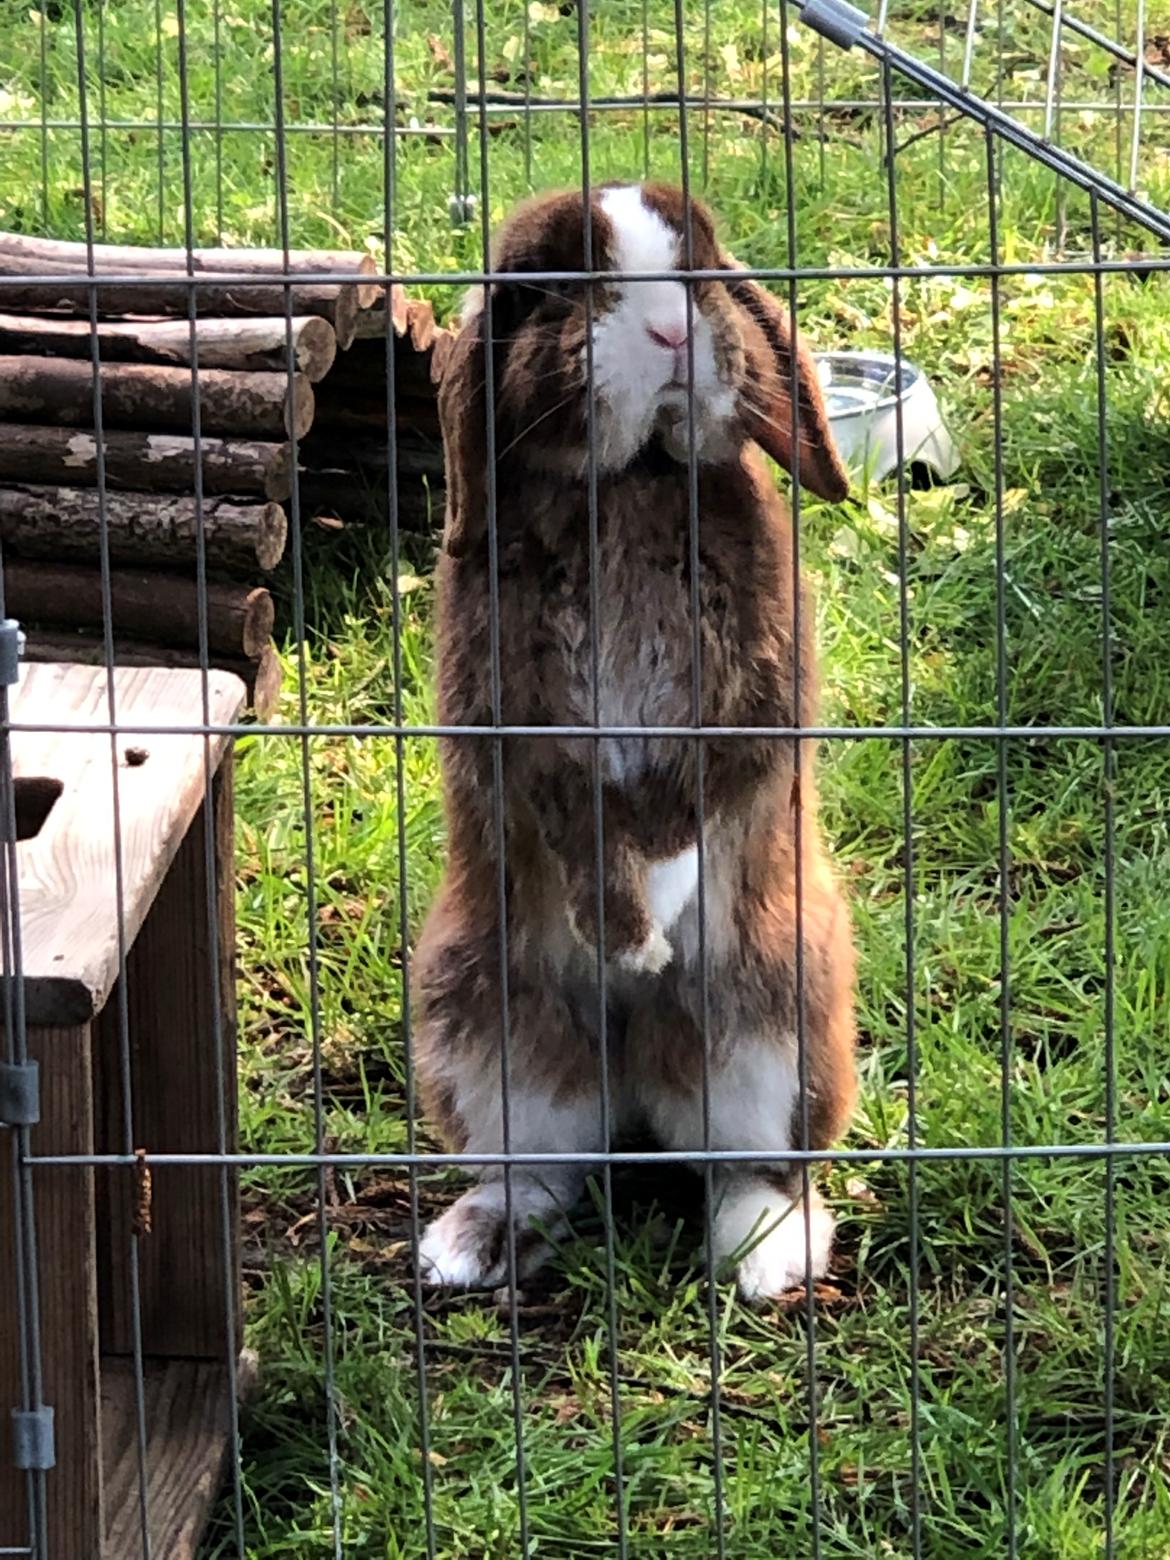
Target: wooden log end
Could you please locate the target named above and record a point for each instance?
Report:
(278, 474)
(345, 317)
(258, 622)
(271, 537)
(316, 344)
(299, 408)
(420, 323)
(368, 293)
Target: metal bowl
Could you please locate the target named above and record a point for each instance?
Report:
(863, 391)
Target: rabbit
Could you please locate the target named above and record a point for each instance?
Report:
(535, 795)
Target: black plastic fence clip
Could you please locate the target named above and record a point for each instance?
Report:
(20, 1094)
(33, 1442)
(836, 20)
(11, 650)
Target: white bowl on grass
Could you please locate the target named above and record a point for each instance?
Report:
(863, 391)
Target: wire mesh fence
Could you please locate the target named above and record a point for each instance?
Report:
(978, 190)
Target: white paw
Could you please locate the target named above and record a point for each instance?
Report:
(467, 1248)
(785, 1250)
(650, 957)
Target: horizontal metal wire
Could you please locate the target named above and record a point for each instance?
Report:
(685, 1156)
(1082, 266)
(612, 733)
(511, 106)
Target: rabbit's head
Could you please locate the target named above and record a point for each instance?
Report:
(592, 361)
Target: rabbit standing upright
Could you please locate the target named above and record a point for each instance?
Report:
(648, 352)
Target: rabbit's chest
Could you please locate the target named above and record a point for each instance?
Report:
(639, 671)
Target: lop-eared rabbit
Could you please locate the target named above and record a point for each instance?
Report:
(757, 817)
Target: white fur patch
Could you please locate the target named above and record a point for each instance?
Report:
(670, 884)
(753, 1090)
(642, 240)
(788, 1243)
(651, 958)
(635, 377)
(456, 1248)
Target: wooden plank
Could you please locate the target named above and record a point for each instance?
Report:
(188, 1428)
(262, 679)
(183, 1266)
(68, 904)
(65, 1229)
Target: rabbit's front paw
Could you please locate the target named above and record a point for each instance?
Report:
(467, 1248)
(650, 957)
(782, 1251)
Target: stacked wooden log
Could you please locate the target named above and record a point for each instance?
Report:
(253, 408)
(353, 469)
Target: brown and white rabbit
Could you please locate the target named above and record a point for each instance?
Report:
(742, 373)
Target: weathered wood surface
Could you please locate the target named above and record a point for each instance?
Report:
(144, 462)
(257, 344)
(22, 254)
(68, 900)
(188, 1428)
(147, 395)
(64, 1204)
(411, 318)
(154, 294)
(181, 1004)
(65, 522)
(262, 678)
(164, 608)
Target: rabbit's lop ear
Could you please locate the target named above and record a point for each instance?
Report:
(768, 410)
(463, 419)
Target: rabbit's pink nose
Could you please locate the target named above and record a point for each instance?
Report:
(672, 336)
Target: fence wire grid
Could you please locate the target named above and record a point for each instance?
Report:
(979, 189)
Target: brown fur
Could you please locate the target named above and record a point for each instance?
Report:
(752, 673)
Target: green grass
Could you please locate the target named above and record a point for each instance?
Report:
(954, 1301)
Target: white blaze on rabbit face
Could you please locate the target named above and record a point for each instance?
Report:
(641, 361)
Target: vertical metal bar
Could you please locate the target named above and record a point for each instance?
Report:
(822, 122)
(390, 191)
(159, 112)
(908, 841)
(103, 130)
(25, 1261)
(335, 100)
(1005, 984)
(646, 88)
(217, 57)
(124, 1050)
(219, 1040)
(802, 1058)
(527, 73)
(1053, 70)
(969, 44)
(706, 95)
(43, 42)
(583, 19)
(1138, 90)
(459, 204)
(695, 559)
(498, 821)
(1110, 778)
(327, 1344)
